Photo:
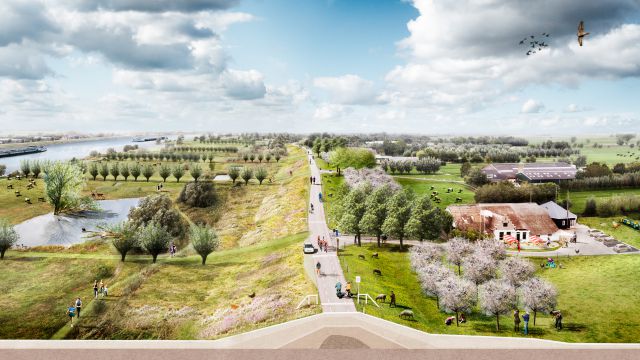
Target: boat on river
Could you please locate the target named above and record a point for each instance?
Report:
(22, 151)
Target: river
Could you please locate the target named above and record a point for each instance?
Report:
(78, 150)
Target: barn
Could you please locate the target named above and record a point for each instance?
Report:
(563, 218)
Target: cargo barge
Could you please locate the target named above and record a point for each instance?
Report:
(22, 151)
(145, 139)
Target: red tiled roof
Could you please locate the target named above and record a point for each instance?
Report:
(519, 216)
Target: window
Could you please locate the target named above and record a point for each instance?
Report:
(518, 236)
(524, 236)
(501, 235)
(504, 224)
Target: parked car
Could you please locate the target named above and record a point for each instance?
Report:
(308, 249)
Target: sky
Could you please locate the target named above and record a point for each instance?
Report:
(344, 66)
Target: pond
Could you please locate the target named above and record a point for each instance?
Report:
(66, 230)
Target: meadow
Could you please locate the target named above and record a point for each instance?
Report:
(596, 296)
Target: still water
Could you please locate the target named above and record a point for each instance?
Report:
(67, 230)
(76, 150)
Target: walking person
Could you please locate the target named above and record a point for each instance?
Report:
(105, 292)
(71, 312)
(516, 320)
(557, 315)
(78, 306)
(171, 249)
(175, 249)
(392, 302)
(347, 288)
(101, 288)
(95, 289)
(525, 318)
(318, 266)
(326, 247)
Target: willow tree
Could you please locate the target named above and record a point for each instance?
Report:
(204, 240)
(63, 183)
(8, 236)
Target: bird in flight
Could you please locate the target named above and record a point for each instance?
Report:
(534, 44)
(581, 33)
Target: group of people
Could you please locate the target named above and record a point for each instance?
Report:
(312, 180)
(323, 244)
(159, 186)
(74, 310)
(173, 249)
(557, 315)
(347, 290)
(450, 320)
(100, 289)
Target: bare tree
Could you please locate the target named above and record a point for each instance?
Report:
(538, 295)
(457, 249)
(516, 270)
(497, 298)
(457, 295)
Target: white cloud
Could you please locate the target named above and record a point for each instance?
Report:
(244, 85)
(329, 111)
(347, 89)
(532, 106)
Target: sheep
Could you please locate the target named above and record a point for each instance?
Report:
(406, 314)
(377, 272)
(382, 297)
(374, 255)
(360, 256)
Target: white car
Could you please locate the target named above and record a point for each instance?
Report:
(308, 249)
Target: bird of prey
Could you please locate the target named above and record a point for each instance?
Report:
(581, 34)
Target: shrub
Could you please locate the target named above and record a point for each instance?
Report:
(201, 194)
(159, 209)
(247, 174)
(104, 271)
(234, 173)
(352, 157)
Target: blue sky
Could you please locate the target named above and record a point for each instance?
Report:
(425, 66)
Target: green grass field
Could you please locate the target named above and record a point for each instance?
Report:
(170, 300)
(597, 296)
(578, 199)
(622, 232)
(330, 185)
(423, 187)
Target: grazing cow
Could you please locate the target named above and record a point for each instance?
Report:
(361, 256)
(458, 199)
(10, 186)
(377, 272)
(41, 199)
(406, 314)
(382, 297)
(374, 255)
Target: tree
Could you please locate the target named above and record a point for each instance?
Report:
(178, 172)
(260, 157)
(423, 254)
(538, 295)
(124, 171)
(195, 171)
(277, 157)
(580, 161)
(497, 298)
(247, 174)
(164, 172)
(63, 183)
(516, 270)
(456, 295)
(590, 207)
(124, 237)
(159, 209)
(104, 171)
(153, 238)
(93, 170)
(430, 276)
(25, 167)
(596, 169)
(428, 165)
(36, 169)
(252, 157)
(148, 172)
(476, 177)
(457, 249)
(8, 237)
(245, 157)
(201, 194)
(204, 240)
(136, 171)
(352, 157)
(493, 249)
(115, 171)
(353, 206)
(426, 221)
(479, 267)
(398, 214)
(267, 157)
(465, 168)
(3, 169)
(261, 174)
(234, 173)
(376, 211)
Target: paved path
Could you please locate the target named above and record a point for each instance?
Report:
(331, 271)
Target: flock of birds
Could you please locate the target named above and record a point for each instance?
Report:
(536, 45)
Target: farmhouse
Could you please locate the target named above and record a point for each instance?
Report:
(530, 172)
(520, 220)
(563, 218)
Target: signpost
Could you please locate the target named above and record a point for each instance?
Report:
(358, 282)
